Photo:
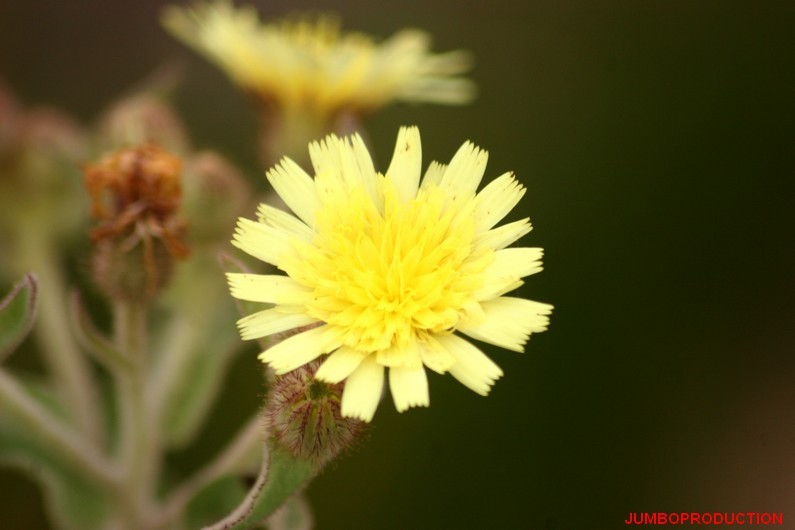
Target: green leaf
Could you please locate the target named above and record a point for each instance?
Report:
(286, 475)
(197, 385)
(17, 314)
(280, 478)
(295, 514)
(195, 349)
(73, 501)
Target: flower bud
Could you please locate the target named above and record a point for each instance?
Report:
(215, 196)
(305, 418)
(40, 196)
(136, 194)
(142, 118)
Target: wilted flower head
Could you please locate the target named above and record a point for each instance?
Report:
(136, 194)
(308, 62)
(389, 269)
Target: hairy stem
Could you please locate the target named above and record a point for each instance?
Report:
(67, 366)
(139, 448)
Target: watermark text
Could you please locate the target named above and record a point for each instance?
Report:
(705, 518)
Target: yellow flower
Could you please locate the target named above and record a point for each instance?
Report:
(308, 62)
(387, 269)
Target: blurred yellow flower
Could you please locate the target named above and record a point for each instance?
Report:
(385, 268)
(309, 62)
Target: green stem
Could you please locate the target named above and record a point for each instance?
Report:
(139, 447)
(68, 367)
(287, 132)
(183, 337)
(93, 342)
(181, 340)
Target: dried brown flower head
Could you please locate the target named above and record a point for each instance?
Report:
(136, 194)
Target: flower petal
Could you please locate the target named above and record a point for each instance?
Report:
(509, 322)
(407, 51)
(504, 272)
(300, 349)
(465, 172)
(347, 159)
(409, 387)
(324, 156)
(407, 356)
(406, 165)
(224, 34)
(364, 162)
(447, 91)
(495, 201)
(502, 236)
(435, 356)
(264, 242)
(449, 63)
(296, 188)
(363, 390)
(285, 222)
(270, 321)
(311, 67)
(472, 368)
(268, 288)
(340, 364)
(433, 175)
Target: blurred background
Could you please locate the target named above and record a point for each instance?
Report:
(656, 142)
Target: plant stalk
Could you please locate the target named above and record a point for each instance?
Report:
(139, 439)
(68, 367)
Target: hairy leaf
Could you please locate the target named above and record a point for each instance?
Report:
(282, 476)
(17, 314)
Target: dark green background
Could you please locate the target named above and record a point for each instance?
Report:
(656, 142)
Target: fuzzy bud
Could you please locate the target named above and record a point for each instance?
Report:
(142, 118)
(39, 150)
(216, 194)
(305, 417)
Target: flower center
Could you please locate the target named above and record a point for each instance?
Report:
(385, 278)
